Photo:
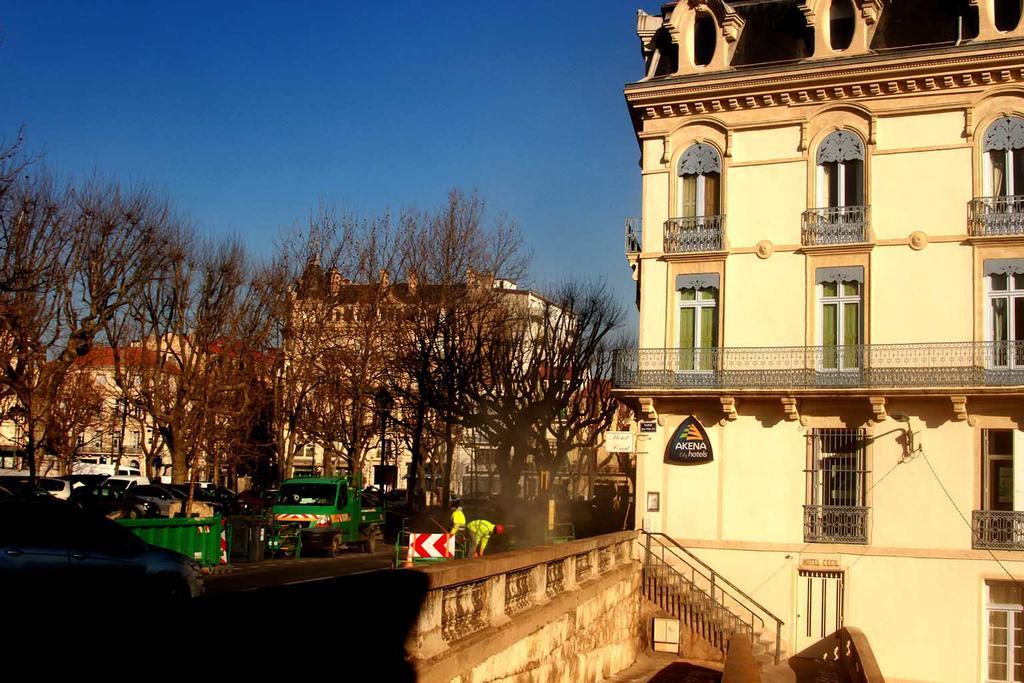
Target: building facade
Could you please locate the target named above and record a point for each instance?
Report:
(830, 277)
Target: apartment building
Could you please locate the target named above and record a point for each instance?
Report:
(830, 277)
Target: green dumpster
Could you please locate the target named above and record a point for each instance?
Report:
(195, 538)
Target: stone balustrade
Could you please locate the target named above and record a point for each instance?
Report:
(469, 597)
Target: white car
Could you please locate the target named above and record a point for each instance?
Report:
(123, 482)
(58, 488)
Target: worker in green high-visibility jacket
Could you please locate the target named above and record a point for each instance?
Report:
(480, 531)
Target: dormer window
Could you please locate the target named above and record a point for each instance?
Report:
(1007, 14)
(704, 40)
(840, 24)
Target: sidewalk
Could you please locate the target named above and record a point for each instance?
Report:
(659, 667)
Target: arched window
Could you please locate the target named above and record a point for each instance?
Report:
(1004, 157)
(840, 24)
(700, 172)
(841, 216)
(841, 170)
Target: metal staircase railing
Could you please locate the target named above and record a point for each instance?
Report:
(710, 605)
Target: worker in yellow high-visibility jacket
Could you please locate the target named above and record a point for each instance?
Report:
(480, 531)
(458, 519)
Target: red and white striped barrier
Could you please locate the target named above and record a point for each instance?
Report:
(223, 542)
(430, 546)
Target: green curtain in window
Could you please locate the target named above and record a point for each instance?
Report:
(851, 335)
(686, 330)
(707, 336)
(829, 336)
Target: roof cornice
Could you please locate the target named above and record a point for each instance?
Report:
(888, 75)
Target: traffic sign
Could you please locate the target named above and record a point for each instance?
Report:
(431, 545)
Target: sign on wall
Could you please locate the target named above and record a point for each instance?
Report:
(648, 427)
(689, 444)
(618, 442)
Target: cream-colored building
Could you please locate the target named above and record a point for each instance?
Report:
(830, 278)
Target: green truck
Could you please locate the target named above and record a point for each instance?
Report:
(322, 515)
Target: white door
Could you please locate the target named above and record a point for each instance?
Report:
(819, 607)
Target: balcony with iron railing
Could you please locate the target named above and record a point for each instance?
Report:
(997, 530)
(936, 365)
(694, 234)
(634, 236)
(834, 225)
(835, 524)
(993, 216)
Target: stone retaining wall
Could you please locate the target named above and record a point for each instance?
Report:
(569, 612)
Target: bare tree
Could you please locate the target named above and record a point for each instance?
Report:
(194, 331)
(536, 375)
(452, 257)
(76, 417)
(70, 259)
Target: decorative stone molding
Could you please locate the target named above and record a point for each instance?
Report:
(1006, 132)
(871, 10)
(918, 240)
(729, 21)
(729, 408)
(764, 249)
(859, 84)
(878, 408)
(960, 413)
(840, 145)
(699, 159)
(791, 408)
(647, 411)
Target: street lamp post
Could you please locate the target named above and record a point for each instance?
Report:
(384, 403)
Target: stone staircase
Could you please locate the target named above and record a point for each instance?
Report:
(706, 603)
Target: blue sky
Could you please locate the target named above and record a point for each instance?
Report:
(248, 114)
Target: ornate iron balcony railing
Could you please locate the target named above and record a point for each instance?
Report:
(835, 524)
(940, 365)
(695, 233)
(996, 216)
(834, 225)
(997, 530)
(634, 236)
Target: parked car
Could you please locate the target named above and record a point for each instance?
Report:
(251, 502)
(125, 481)
(164, 497)
(93, 465)
(58, 488)
(21, 487)
(55, 551)
(112, 502)
(87, 480)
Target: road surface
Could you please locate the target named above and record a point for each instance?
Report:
(288, 572)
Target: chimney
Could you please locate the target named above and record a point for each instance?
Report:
(335, 280)
(471, 278)
(384, 277)
(412, 281)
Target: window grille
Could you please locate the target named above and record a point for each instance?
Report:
(836, 499)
